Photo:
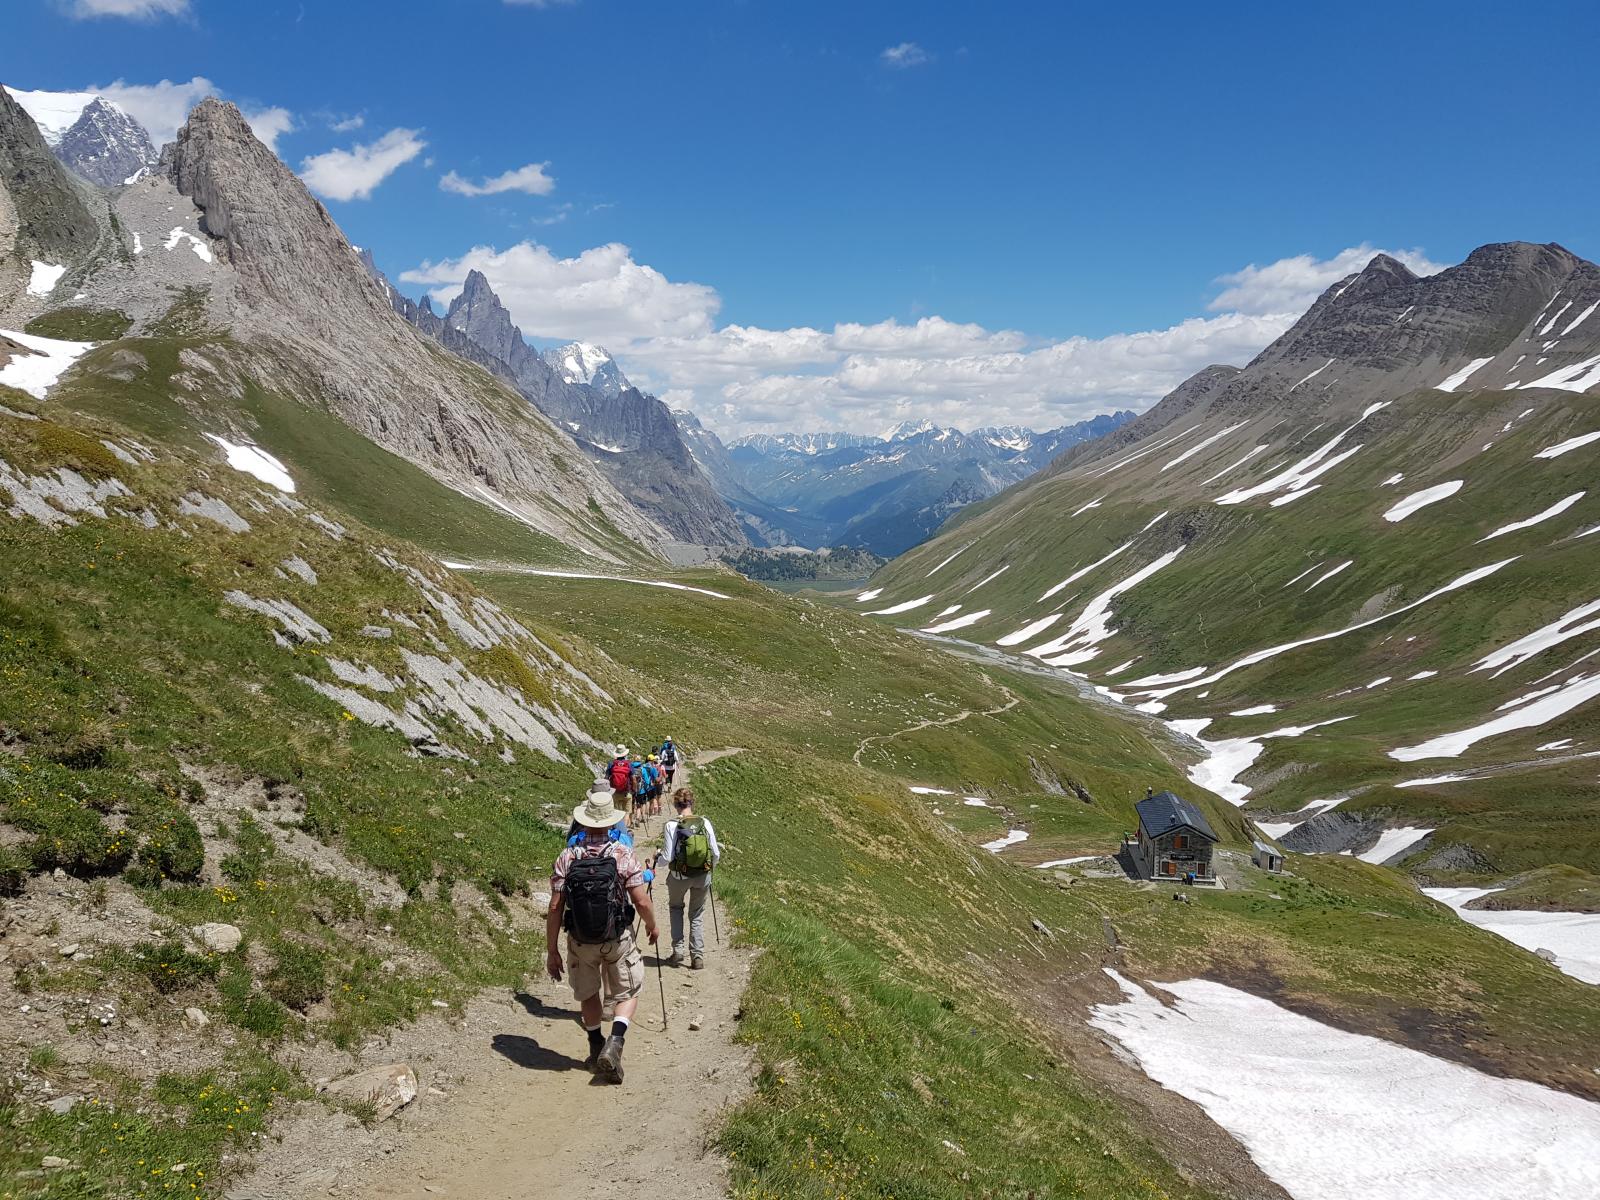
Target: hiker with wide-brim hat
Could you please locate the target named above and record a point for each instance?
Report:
(596, 887)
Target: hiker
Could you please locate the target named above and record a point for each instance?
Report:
(690, 847)
(620, 775)
(656, 784)
(669, 758)
(594, 891)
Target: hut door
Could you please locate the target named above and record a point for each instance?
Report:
(1169, 867)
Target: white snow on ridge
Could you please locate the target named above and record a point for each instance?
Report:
(946, 562)
(986, 579)
(1431, 780)
(1393, 479)
(870, 594)
(1573, 937)
(1097, 472)
(1201, 445)
(961, 622)
(1577, 691)
(1012, 837)
(1232, 465)
(931, 791)
(1327, 575)
(54, 112)
(1454, 380)
(1580, 318)
(1334, 1115)
(44, 278)
(1276, 829)
(1422, 499)
(256, 462)
(1555, 510)
(1514, 654)
(1260, 656)
(1229, 758)
(1320, 369)
(1570, 444)
(1255, 710)
(1088, 506)
(36, 373)
(1175, 677)
(904, 606)
(1030, 631)
(1093, 624)
(1304, 472)
(1392, 843)
(1082, 571)
(1551, 323)
(1579, 377)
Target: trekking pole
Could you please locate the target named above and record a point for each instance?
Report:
(711, 892)
(661, 981)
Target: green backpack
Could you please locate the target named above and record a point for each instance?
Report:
(691, 853)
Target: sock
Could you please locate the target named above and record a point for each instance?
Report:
(595, 1040)
(619, 1028)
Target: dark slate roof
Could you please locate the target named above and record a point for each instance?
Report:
(1164, 812)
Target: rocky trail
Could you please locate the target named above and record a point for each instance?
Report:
(507, 1110)
(1012, 700)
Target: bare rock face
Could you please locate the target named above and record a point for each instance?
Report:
(105, 145)
(43, 214)
(306, 303)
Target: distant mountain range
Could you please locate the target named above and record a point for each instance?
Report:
(885, 494)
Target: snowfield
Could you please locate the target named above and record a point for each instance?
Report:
(1555, 510)
(44, 278)
(1392, 843)
(36, 373)
(1574, 938)
(1012, 837)
(1422, 499)
(1451, 382)
(1333, 1115)
(1555, 451)
(256, 462)
(904, 606)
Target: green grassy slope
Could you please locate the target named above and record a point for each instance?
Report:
(160, 743)
(1232, 590)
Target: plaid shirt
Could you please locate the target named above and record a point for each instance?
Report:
(629, 872)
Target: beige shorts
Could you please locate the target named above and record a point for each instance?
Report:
(617, 966)
(622, 802)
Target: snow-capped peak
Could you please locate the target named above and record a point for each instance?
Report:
(592, 366)
(55, 112)
(906, 429)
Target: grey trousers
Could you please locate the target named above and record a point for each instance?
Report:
(693, 890)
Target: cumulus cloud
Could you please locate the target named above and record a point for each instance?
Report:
(353, 174)
(1292, 284)
(347, 124)
(162, 107)
(530, 180)
(139, 10)
(864, 377)
(602, 295)
(905, 56)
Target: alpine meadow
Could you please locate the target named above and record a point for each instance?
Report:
(482, 714)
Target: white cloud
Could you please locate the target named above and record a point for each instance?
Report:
(162, 107)
(353, 174)
(603, 295)
(743, 378)
(530, 180)
(268, 124)
(1292, 284)
(904, 56)
(347, 124)
(141, 10)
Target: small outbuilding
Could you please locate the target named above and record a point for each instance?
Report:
(1267, 858)
(1175, 839)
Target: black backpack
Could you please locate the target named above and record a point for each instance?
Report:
(597, 909)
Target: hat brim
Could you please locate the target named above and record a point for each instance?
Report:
(584, 817)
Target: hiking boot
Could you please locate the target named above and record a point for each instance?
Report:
(609, 1063)
(676, 959)
(697, 963)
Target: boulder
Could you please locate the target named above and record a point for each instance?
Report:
(388, 1089)
(215, 935)
(194, 1018)
(1548, 955)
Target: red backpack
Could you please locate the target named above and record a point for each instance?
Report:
(621, 775)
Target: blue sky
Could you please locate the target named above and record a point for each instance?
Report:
(1058, 170)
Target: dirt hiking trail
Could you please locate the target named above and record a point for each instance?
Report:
(508, 1111)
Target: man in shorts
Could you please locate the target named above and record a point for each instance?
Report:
(601, 955)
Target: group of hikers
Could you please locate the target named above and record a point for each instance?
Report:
(640, 782)
(601, 892)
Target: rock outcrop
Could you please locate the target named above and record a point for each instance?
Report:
(44, 213)
(317, 321)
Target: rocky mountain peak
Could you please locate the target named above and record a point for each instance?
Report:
(593, 366)
(105, 145)
(478, 313)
